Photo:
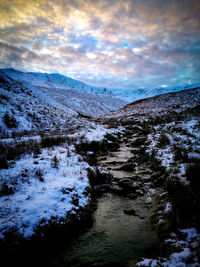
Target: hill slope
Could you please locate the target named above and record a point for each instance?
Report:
(65, 98)
(57, 80)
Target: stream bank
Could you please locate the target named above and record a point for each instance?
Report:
(124, 183)
(115, 238)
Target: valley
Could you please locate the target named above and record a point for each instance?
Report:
(115, 184)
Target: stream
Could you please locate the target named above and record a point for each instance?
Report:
(116, 238)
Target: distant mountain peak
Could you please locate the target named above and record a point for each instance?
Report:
(60, 81)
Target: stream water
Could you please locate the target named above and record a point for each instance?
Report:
(115, 238)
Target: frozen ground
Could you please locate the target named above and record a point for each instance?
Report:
(41, 188)
(183, 141)
(185, 254)
(48, 184)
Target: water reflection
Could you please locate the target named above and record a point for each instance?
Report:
(114, 239)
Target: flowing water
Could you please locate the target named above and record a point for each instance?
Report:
(115, 237)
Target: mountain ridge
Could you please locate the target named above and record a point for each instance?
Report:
(61, 81)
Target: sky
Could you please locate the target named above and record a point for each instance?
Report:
(111, 43)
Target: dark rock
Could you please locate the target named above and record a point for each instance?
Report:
(135, 178)
(138, 142)
(139, 192)
(102, 158)
(134, 151)
(136, 185)
(103, 188)
(156, 174)
(132, 195)
(125, 183)
(129, 211)
(112, 162)
(116, 189)
(128, 167)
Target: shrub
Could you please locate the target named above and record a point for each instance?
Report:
(4, 163)
(180, 154)
(39, 173)
(68, 152)
(6, 189)
(10, 120)
(110, 137)
(163, 141)
(55, 162)
(75, 199)
(4, 97)
(193, 176)
(182, 198)
(36, 150)
(48, 141)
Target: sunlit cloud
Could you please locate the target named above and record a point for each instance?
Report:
(114, 43)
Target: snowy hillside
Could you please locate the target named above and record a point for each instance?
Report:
(131, 95)
(53, 155)
(26, 111)
(65, 98)
(60, 81)
(169, 102)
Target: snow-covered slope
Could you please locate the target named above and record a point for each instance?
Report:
(57, 80)
(26, 110)
(69, 99)
(160, 104)
(131, 95)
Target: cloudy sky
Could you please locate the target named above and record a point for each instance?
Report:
(113, 43)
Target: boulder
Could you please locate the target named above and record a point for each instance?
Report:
(132, 195)
(129, 211)
(128, 167)
(139, 192)
(143, 171)
(136, 185)
(116, 189)
(145, 177)
(156, 174)
(125, 183)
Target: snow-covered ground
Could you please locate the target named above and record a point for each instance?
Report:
(185, 254)
(184, 136)
(41, 188)
(48, 184)
(38, 187)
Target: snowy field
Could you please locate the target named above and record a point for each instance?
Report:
(185, 251)
(41, 188)
(47, 185)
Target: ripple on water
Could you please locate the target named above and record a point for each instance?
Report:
(114, 237)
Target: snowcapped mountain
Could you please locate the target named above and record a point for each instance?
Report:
(53, 102)
(70, 99)
(30, 105)
(131, 95)
(167, 103)
(65, 83)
